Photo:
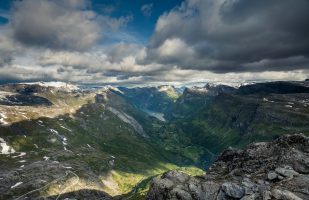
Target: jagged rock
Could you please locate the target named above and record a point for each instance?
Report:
(260, 171)
(266, 195)
(176, 177)
(286, 171)
(284, 195)
(249, 186)
(164, 185)
(233, 190)
(221, 196)
(280, 177)
(209, 190)
(178, 185)
(301, 166)
(180, 193)
(250, 197)
(204, 191)
(272, 175)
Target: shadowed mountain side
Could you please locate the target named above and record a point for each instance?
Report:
(115, 147)
(25, 100)
(279, 87)
(235, 120)
(81, 194)
(158, 99)
(94, 143)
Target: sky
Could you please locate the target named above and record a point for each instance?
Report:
(153, 41)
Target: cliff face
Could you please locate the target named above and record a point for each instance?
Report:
(273, 170)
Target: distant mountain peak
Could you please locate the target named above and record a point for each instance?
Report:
(55, 84)
(162, 88)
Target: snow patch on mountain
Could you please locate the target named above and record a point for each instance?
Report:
(64, 140)
(163, 88)
(110, 88)
(16, 185)
(56, 84)
(2, 119)
(5, 148)
(159, 116)
(66, 128)
(5, 94)
(129, 120)
(46, 158)
(20, 155)
(115, 89)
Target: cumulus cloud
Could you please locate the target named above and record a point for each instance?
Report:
(174, 50)
(200, 40)
(58, 40)
(119, 56)
(115, 23)
(117, 52)
(147, 9)
(55, 24)
(5, 51)
(118, 61)
(7, 47)
(234, 35)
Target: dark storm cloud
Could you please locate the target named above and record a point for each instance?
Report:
(6, 49)
(5, 58)
(256, 39)
(55, 24)
(5, 54)
(234, 35)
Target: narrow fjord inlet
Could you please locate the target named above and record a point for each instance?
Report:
(60, 141)
(154, 100)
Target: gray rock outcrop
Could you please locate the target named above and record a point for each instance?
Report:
(262, 171)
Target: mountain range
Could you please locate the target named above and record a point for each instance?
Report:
(59, 140)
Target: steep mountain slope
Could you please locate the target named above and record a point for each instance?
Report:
(237, 120)
(81, 144)
(274, 170)
(195, 98)
(279, 87)
(205, 120)
(156, 99)
(216, 120)
(57, 139)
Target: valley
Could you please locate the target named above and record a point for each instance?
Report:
(154, 100)
(63, 141)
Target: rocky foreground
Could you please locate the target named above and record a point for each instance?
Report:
(267, 170)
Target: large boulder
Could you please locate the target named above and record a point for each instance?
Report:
(233, 190)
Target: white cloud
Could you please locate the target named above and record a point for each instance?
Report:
(176, 75)
(174, 48)
(115, 23)
(147, 9)
(118, 57)
(58, 40)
